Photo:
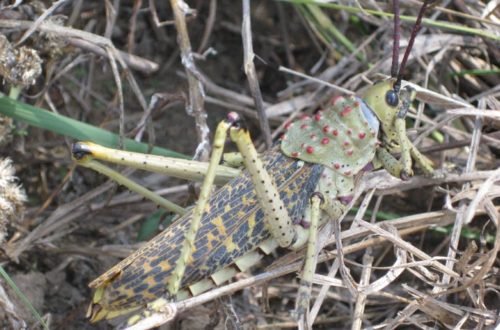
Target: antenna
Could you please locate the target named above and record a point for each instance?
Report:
(396, 38)
(416, 28)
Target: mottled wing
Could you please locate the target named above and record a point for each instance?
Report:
(232, 226)
(296, 181)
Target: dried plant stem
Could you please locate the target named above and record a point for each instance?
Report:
(251, 73)
(209, 26)
(133, 61)
(119, 91)
(133, 26)
(336, 264)
(195, 106)
(460, 218)
(362, 297)
(40, 20)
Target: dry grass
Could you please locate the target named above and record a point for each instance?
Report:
(421, 253)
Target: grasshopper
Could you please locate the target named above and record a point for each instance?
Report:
(281, 199)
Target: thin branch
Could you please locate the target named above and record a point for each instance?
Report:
(209, 26)
(460, 218)
(249, 55)
(195, 107)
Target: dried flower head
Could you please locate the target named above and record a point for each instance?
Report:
(12, 197)
(20, 66)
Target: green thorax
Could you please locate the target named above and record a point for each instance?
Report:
(342, 137)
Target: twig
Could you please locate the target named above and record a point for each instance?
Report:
(209, 26)
(121, 106)
(387, 184)
(40, 21)
(249, 66)
(408, 247)
(460, 218)
(316, 80)
(362, 297)
(155, 17)
(195, 106)
(475, 112)
(133, 24)
(492, 255)
(61, 216)
(133, 61)
(336, 264)
(111, 16)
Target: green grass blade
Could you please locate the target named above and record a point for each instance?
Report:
(149, 227)
(425, 21)
(63, 125)
(326, 28)
(22, 297)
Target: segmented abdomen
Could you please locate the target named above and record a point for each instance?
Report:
(232, 226)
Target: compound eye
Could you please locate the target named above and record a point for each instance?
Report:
(392, 98)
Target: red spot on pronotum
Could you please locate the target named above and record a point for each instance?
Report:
(362, 135)
(325, 140)
(345, 111)
(349, 131)
(312, 137)
(326, 129)
(336, 99)
(295, 154)
(346, 143)
(305, 117)
(349, 152)
(335, 132)
(318, 116)
(336, 165)
(309, 150)
(287, 125)
(304, 126)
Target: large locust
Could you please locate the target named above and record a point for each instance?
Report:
(280, 201)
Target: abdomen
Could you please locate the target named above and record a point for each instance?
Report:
(231, 227)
